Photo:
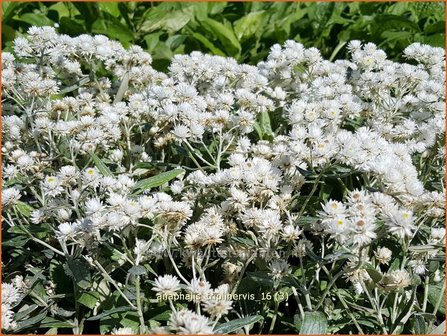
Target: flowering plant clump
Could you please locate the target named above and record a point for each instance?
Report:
(298, 195)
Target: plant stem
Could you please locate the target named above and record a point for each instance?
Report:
(272, 324)
(441, 297)
(424, 303)
(109, 278)
(139, 305)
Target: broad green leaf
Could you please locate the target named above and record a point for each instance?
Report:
(314, 323)
(24, 209)
(249, 25)
(224, 34)
(137, 270)
(386, 22)
(11, 8)
(419, 325)
(208, 44)
(35, 19)
(109, 7)
(113, 29)
(160, 314)
(89, 12)
(89, 299)
(375, 275)
(172, 21)
(72, 28)
(434, 293)
(101, 165)
(61, 8)
(78, 269)
(440, 329)
(235, 325)
(156, 181)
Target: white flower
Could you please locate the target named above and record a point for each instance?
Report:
(10, 294)
(400, 222)
(437, 235)
(188, 322)
(166, 285)
(199, 289)
(218, 304)
(181, 132)
(10, 196)
(291, 233)
(7, 318)
(66, 230)
(383, 255)
(418, 266)
(91, 176)
(279, 269)
(122, 331)
(93, 205)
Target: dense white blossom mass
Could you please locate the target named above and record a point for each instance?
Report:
(85, 121)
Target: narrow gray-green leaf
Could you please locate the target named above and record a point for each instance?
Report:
(228, 327)
(101, 165)
(110, 312)
(439, 330)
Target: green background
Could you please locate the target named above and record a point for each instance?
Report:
(245, 31)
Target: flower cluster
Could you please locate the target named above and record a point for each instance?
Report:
(134, 179)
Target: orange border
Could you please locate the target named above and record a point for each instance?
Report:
(55, 1)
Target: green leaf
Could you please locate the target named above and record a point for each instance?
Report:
(109, 7)
(89, 12)
(113, 29)
(89, 299)
(110, 312)
(24, 209)
(101, 165)
(76, 86)
(314, 323)
(172, 21)
(249, 25)
(9, 9)
(50, 322)
(234, 325)
(156, 181)
(224, 34)
(78, 269)
(30, 321)
(208, 44)
(62, 10)
(34, 19)
(440, 329)
(386, 22)
(419, 325)
(261, 278)
(375, 275)
(24, 312)
(434, 293)
(137, 270)
(265, 125)
(160, 314)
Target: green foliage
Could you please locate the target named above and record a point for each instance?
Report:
(245, 31)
